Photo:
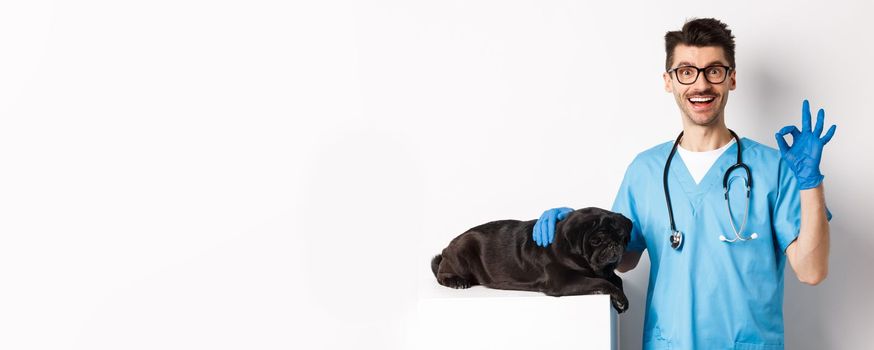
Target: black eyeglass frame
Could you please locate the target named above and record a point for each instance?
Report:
(727, 73)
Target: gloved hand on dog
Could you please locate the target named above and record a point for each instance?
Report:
(544, 228)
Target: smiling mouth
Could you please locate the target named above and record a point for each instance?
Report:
(700, 103)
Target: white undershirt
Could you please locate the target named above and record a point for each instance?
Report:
(699, 163)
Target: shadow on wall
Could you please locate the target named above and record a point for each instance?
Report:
(635, 284)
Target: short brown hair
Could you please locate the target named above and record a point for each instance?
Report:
(700, 32)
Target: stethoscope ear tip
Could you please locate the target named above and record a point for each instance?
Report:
(754, 235)
(722, 238)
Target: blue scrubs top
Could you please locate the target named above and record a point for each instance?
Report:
(712, 294)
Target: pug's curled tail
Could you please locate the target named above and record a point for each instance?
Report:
(435, 263)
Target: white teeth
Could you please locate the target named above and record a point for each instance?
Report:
(701, 99)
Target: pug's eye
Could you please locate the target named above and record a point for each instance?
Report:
(596, 241)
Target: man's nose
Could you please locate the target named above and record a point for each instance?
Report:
(701, 84)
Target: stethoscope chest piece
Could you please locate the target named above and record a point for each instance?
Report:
(676, 239)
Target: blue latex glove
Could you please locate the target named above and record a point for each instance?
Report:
(544, 228)
(806, 151)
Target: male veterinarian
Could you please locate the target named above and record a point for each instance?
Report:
(715, 282)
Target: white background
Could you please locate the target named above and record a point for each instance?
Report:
(277, 175)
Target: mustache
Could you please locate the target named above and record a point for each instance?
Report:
(710, 92)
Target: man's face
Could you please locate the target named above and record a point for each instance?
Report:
(700, 113)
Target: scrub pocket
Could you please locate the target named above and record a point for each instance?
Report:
(748, 346)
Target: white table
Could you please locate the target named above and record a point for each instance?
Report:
(482, 318)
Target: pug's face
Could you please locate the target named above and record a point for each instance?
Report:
(600, 236)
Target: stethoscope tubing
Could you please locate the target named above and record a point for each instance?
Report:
(676, 237)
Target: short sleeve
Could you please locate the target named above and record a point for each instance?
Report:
(625, 204)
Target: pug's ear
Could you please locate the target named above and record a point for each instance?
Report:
(575, 241)
(564, 231)
(575, 230)
(627, 226)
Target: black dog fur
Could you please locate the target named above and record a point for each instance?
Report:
(503, 255)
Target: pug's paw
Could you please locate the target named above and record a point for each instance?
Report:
(620, 303)
(456, 282)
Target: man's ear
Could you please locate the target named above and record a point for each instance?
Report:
(667, 77)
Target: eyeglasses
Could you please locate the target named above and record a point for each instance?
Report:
(687, 75)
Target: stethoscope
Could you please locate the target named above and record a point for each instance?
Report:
(676, 237)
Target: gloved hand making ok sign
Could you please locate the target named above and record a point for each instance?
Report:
(806, 151)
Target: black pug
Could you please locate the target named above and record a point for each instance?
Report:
(502, 254)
